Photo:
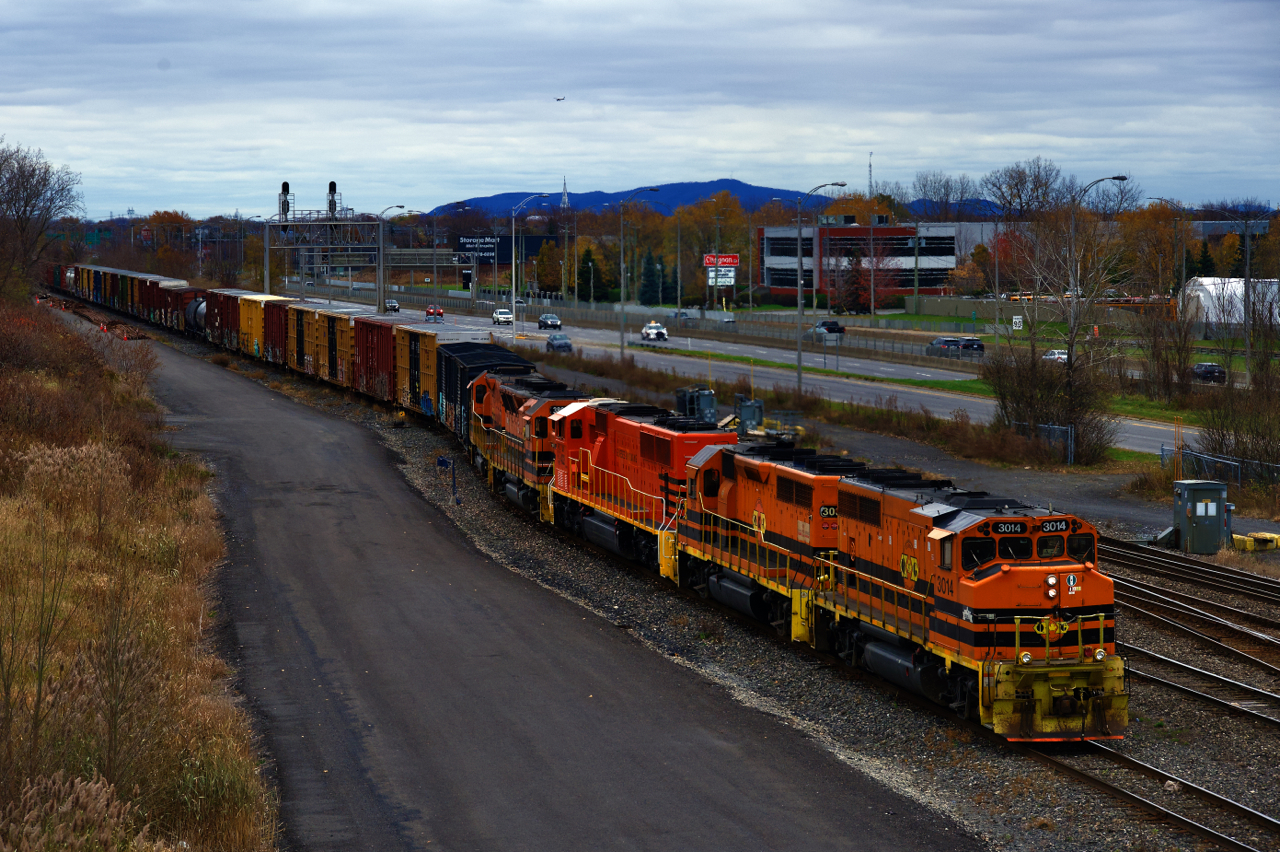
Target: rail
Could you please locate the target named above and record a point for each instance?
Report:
(1231, 695)
(1201, 812)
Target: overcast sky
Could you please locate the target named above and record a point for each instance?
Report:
(206, 107)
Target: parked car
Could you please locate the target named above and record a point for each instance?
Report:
(502, 316)
(972, 343)
(829, 327)
(947, 342)
(434, 313)
(1055, 356)
(392, 306)
(548, 321)
(559, 343)
(653, 331)
(1210, 372)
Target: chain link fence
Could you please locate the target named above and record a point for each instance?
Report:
(1197, 465)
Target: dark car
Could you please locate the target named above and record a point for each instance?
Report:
(829, 327)
(548, 321)
(392, 306)
(947, 342)
(972, 343)
(559, 343)
(1209, 372)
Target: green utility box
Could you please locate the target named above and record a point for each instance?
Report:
(1201, 515)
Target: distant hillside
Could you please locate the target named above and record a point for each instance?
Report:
(672, 195)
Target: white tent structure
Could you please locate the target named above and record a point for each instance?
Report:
(1221, 300)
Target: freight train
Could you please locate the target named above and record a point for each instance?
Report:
(982, 603)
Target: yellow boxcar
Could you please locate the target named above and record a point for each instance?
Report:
(416, 361)
(336, 334)
(304, 343)
(253, 334)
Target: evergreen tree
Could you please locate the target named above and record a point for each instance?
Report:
(650, 283)
(1205, 268)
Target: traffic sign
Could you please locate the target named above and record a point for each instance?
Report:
(720, 260)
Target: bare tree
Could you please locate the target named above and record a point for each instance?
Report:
(942, 194)
(33, 194)
(1025, 188)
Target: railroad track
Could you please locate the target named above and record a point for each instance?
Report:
(1255, 647)
(1225, 823)
(1176, 566)
(1231, 695)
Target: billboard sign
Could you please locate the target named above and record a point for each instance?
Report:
(485, 245)
(721, 276)
(720, 260)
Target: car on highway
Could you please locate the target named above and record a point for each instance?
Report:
(828, 327)
(680, 314)
(1210, 373)
(559, 343)
(392, 306)
(548, 321)
(973, 344)
(947, 342)
(502, 316)
(520, 302)
(433, 313)
(653, 331)
(1055, 356)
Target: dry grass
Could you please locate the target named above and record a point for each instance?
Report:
(114, 713)
(1254, 500)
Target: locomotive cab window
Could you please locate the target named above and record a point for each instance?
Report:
(575, 430)
(944, 554)
(976, 552)
(1050, 547)
(1015, 547)
(711, 483)
(481, 392)
(540, 427)
(1080, 548)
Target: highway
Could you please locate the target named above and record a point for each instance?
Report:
(1145, 436)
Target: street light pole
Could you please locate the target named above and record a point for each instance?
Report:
(1073, 266)
(622, 270)
(514, 211)
(381, 307)
(800, 281)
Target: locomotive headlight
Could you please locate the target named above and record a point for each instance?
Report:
(1053, 593)
(1025, 658)
(1052, 579)
(1100, 654)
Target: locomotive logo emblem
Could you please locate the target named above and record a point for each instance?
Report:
(1051, 628)
(757, 518)
(910, 568)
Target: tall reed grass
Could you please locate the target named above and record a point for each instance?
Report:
(117, 726)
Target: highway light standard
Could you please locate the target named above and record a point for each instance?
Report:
(622, 270)
(381, 307)
(514, 211)
(800, 280)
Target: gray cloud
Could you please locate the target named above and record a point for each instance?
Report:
(423, 103)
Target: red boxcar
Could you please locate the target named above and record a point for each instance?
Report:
(222, 317)
(275, 322)
(375, 357)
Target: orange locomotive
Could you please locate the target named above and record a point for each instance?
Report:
(620, 475)
(979, 602)
(511, 434)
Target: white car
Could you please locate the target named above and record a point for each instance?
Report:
(653, 331)
(1056, 356)
(502, 316)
